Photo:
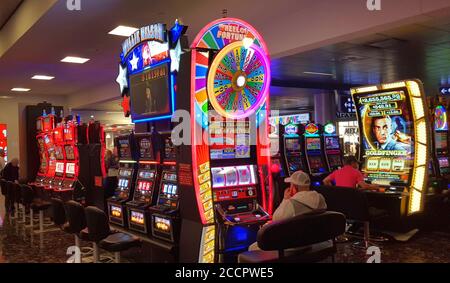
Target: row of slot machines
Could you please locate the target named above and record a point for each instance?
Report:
(146, 199)
(311, 148)
(440, 165)
(70, 155)
(58, 153)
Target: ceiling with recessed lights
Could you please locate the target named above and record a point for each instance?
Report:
(418, 48)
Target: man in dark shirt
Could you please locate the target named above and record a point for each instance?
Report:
(11, 173)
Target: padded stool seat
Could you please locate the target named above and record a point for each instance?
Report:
(39, 205)
(119, 242)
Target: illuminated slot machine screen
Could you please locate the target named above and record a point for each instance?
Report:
(59, 154)
(70, 170)
(441, 142)
(145, 148)
(70, 154)
(116, 211)
(444, 165)
(169, 149)
(292, 145)
(59, 171)
(68, 132)
(313, 144)
(124, 149)
(388, 135)
(334, 160)
(229, 139)
(137, 217)
(161, 225)
(168, 195)
(332, 143)
(316, 165)
(233, 176)
(47, 124)
(144, 190)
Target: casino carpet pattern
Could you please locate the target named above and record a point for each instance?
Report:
(18, 246)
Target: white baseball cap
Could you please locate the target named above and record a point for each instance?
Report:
(299, 178)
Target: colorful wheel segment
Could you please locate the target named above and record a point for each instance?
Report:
(238, 80)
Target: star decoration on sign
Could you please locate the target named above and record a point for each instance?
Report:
(134, 62)
(126, 105)
(122, 78)
(177, 31)
(175, 55)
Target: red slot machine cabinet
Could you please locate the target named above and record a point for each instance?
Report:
(58, 136)
(291, 144)
(315, 153)
(139, 218)
(72, 159)
(332, 146)
(43, 154)
(165, 213)
(48, 126)
(128, 158)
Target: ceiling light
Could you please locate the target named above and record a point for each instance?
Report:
(123, 31)
(76, 60)
(20, 89)
(318, 73)
(42, 77)
(6, 97)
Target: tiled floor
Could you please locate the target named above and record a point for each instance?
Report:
(17, 246)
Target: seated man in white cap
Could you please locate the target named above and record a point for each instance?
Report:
(298, 200)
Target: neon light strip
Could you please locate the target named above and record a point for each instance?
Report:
(224, 20)
(127, 161)
(169, 163)
(194, 143)
(148, 162)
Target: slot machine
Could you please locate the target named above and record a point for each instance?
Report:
(291, 148)
(43, 154)
(440, 142)
(144, 193)
(333, 152)
(58, 135)
(72, 157)
(126, 148)
(227, 76)
(165, 213)
(394, 133)
(48, 126)
(314, 153)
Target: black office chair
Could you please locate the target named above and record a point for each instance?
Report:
(310, 235)
(354, 205)
(101, 234)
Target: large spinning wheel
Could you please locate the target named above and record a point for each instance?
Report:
(238, 80)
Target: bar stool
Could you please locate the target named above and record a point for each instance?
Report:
(103, 237)
(19, 207)
(10, 197)
(36, 205)
(76, 225)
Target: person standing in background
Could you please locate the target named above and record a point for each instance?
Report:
(11, 173)
(2, 160)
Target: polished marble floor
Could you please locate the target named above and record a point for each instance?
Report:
(18, 245)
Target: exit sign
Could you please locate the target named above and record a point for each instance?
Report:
(445, 90)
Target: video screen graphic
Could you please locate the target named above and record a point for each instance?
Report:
(332, 143)
(150, 92)
(313, 144)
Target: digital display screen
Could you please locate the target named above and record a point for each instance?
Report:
(116, 211)
(440, 141)
(334, 160)
(229, 139)
(59, 153)
(161, 224)
(169, 176)
(233, 176)
(68, 132)
(144, 174)
(47, 124)
(137, 217)
(59, 167)
(70, 168)
(387, 140)
(169, 149)
(150, 93)
(292, 145)
(144, 186)
(124, 148)
(145, 148)
(313, 144)
(443, 162)
(332, 143)
(125, 172)
(58, 135)
(440, 118)
(70, 154)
